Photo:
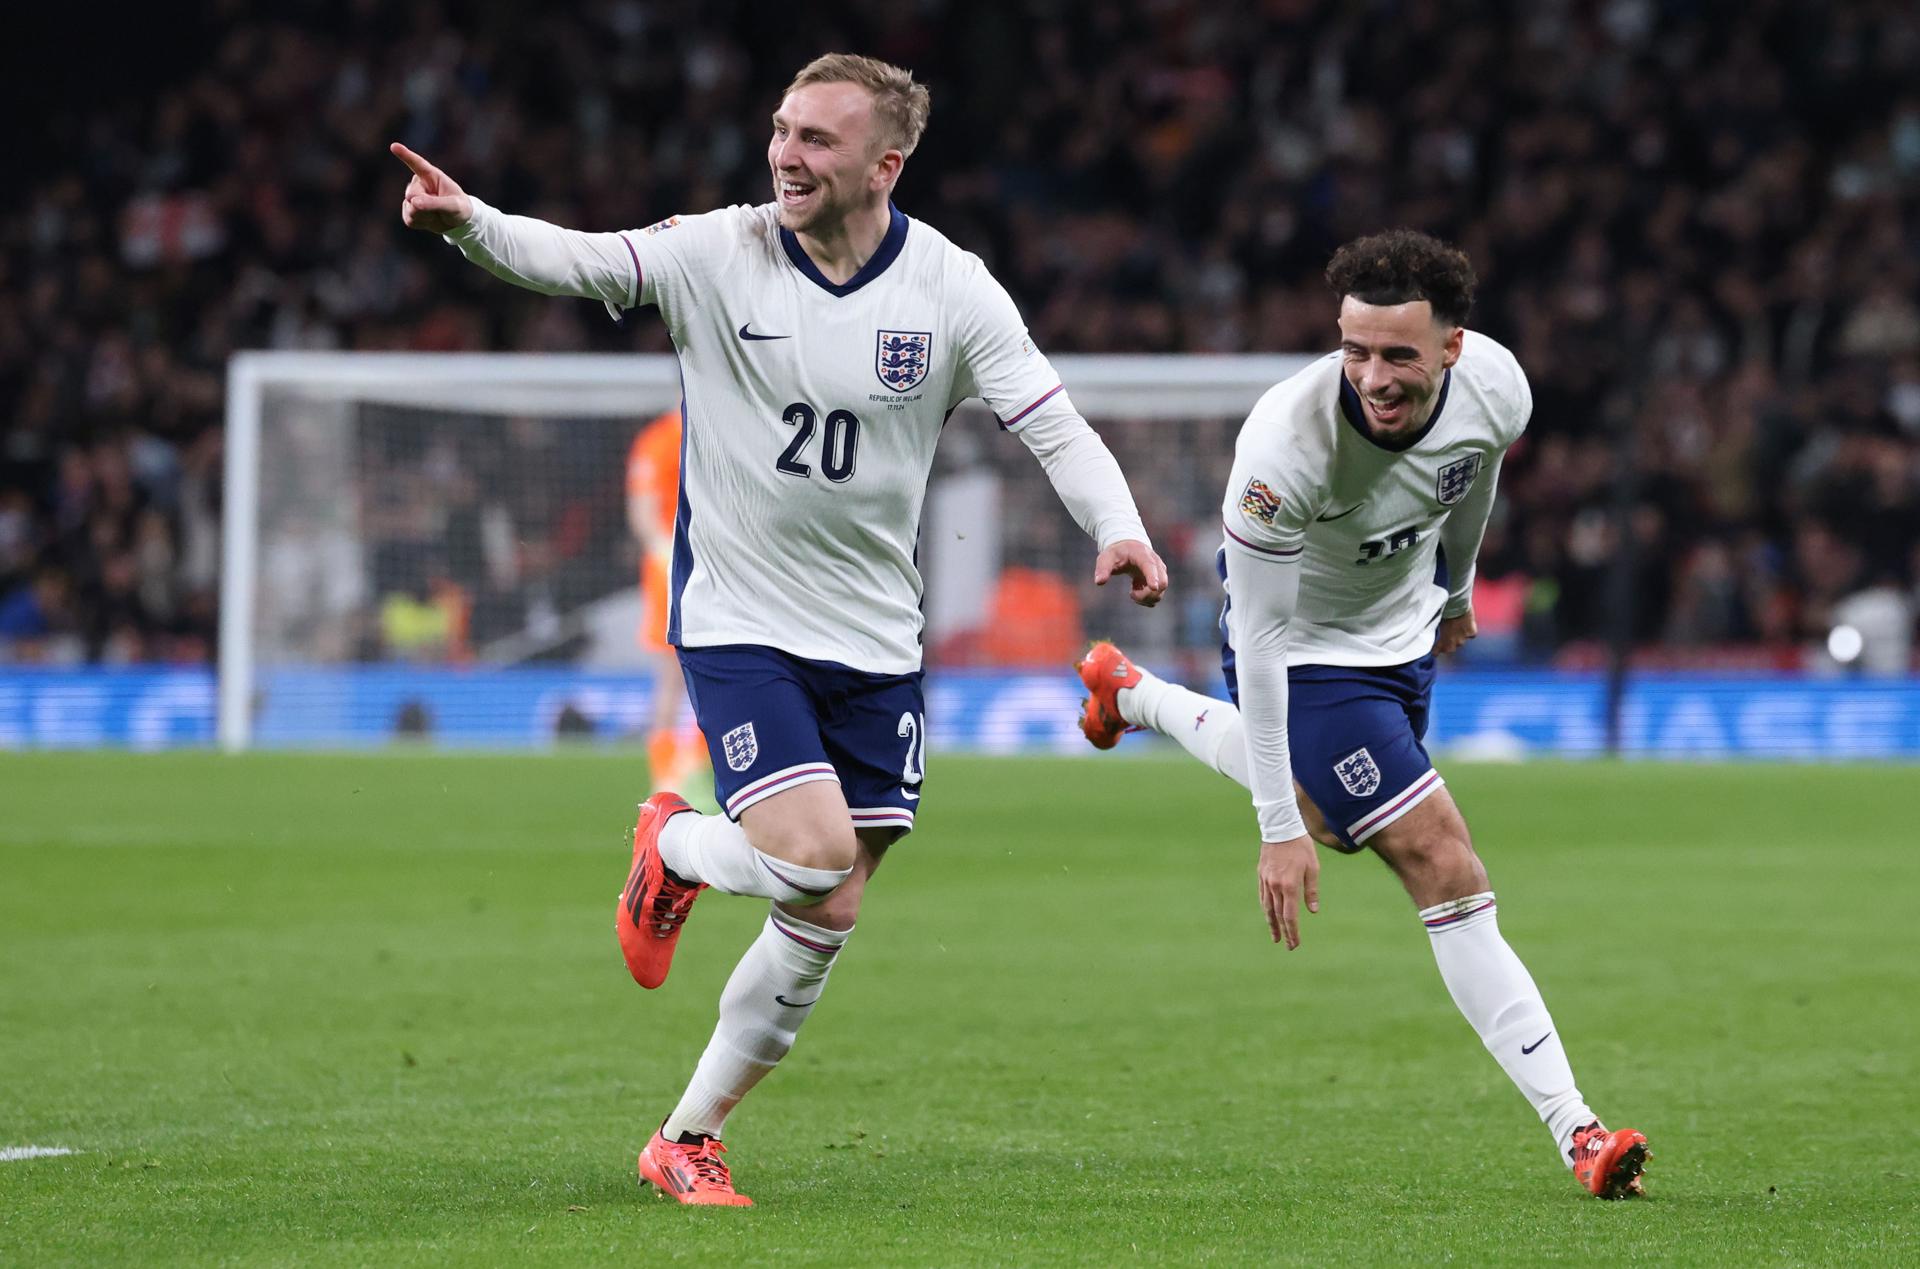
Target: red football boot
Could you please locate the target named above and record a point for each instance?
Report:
(690, 1173)
(1105, 670)
(655, 903)
(1609, 1164)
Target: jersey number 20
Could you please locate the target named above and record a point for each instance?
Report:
(839, 443)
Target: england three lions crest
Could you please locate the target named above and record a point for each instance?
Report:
(1455, 479)
(900, 358)
(740, 746)
(1359, 773)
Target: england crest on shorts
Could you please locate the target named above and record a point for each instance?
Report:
(1358, 773)
(900, 358)
(1455, 479)
(740, 746)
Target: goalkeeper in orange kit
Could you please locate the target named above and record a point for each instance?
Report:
(653, 488)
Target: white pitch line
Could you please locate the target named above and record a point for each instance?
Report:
(9, 1154)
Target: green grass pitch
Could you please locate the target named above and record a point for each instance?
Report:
(369, 1010)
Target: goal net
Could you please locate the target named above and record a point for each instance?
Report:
(435, 547)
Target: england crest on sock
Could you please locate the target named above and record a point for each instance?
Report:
(740, 746)
(1359, 773)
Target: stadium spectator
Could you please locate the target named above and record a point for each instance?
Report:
(36, 622)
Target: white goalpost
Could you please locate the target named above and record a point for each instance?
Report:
(399, 525)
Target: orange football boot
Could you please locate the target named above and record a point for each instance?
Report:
(690, 1173)
(1609, 1164)
(655, 903)
(1105, 670)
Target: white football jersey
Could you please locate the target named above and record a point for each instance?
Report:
(1365, 521)
(812, 411)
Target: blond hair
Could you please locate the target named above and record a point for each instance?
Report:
(900, 106)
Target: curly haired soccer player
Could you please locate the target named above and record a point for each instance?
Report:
(824, 337)
(1360, 491)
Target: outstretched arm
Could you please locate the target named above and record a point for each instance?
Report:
(519, 249)
(433, 203)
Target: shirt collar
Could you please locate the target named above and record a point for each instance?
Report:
(888, 251)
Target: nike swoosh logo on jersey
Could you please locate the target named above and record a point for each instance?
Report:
(1343, 515)
(909, 794)
(746, 332)
(1528, 1048)
(795, 1004)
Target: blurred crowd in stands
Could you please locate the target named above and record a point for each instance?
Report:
(1695, 222)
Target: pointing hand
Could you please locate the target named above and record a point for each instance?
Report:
(433, 203)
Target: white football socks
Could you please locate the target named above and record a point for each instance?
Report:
(1498, 997)
(1488, 982)
(714, 849)
(772, 991)
(1208, 729)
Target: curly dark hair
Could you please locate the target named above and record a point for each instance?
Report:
(1403, 265)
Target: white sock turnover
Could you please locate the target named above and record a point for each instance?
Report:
(1499, 998)
(772, 991)
(1208, 729)
(714, 849)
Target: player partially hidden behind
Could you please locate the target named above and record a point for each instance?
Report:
(675, 755)
(1349, 480)
(824, 338)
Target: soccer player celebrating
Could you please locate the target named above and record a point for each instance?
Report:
(1360, 491)
(823, 338)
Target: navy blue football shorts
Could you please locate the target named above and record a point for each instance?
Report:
(774, 721)
(1354, 734)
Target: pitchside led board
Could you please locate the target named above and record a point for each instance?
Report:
(1477, 714)
(425, 549)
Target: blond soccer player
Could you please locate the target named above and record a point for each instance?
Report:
(824, 337)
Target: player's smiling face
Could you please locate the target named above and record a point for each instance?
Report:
(1396, 357)
(824, 156)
